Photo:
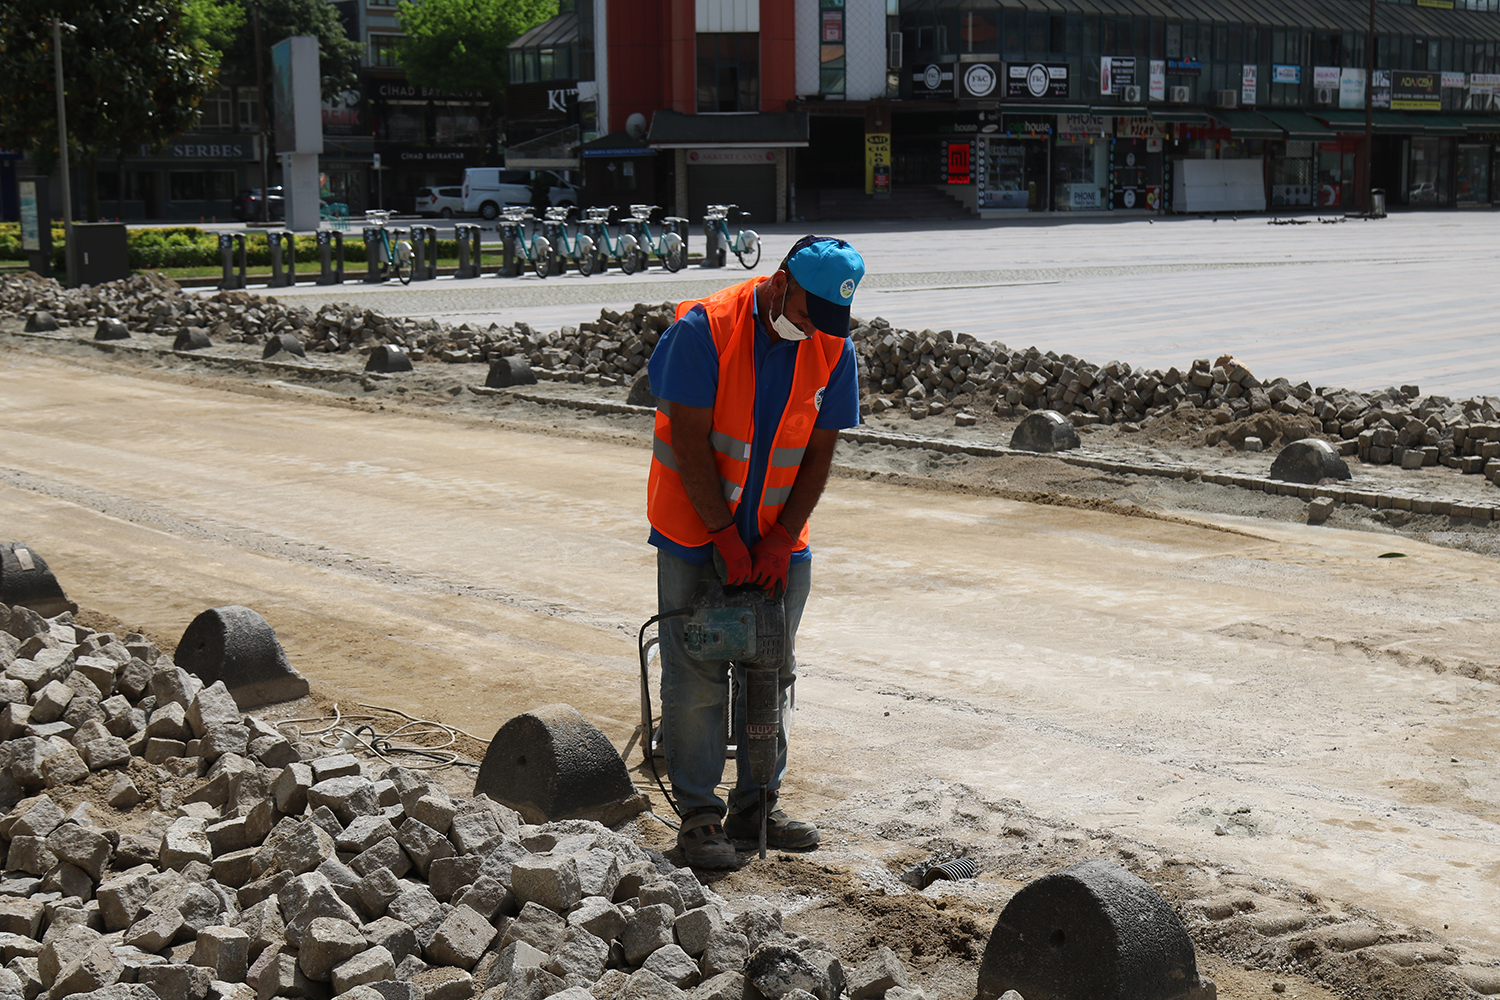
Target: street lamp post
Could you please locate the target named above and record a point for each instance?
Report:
(260, 120)
(1369, 182)
(69, 252)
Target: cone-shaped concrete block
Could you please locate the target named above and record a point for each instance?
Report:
(111, 329)
(236, 645)
(1045, 430)
(387, 358)
(1310, 460)
(511, 370)
(191, 338)
(41, 321)
(26, 581)
(551, 763)
(640, 391)
(283, 342)
(1091, 932)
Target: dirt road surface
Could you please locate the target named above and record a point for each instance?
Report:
(1256, 698)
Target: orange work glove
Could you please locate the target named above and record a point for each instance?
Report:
(737, 563)
(772, 555)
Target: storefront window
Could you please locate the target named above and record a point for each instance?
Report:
(1428, 178)
(200, 185)
(1137, 173)
(1080, 174)
(1335, 176)
(1473, 178)
(1292, 169)
(1012, 173)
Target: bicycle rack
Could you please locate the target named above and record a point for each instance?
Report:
(511, 232)
(469, 264)
(282, 244)
(374, 256)
(228, 243)
(424, 247)
(713, 239)
(333, 269)
(554, 231)
(679, 225)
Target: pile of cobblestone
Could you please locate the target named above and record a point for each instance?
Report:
(162, 845)
(919, 374)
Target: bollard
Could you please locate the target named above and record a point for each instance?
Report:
(1045, 430)
(228, 243)
(511, 233)
(551, 763)
(374, 256)
(713, 239)
(333, 267)
(424, 245)
(279, 342)
(388, 358)
(26, 582)
(469, 265)
(283, 246)
(191, 338)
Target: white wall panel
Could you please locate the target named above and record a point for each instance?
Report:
(728, 15)
(865, 49)
(805, 31)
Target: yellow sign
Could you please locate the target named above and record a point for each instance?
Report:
(1444, 4)
(877, 154)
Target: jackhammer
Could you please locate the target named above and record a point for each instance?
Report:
(746, 626)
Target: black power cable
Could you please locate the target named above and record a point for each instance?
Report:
(646, 694)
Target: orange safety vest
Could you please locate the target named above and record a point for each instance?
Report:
(731, 317)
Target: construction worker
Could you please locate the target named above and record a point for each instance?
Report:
(753, 385)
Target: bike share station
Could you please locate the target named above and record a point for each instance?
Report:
(602, 237)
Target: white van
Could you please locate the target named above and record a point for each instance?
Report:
(489, 189)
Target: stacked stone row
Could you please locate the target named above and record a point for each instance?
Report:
(919, 374)
(241, 862)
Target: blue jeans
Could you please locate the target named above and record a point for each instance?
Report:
(693, 693)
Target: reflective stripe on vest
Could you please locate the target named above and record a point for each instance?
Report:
(731, 316)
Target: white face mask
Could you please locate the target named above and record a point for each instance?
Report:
(784, 327)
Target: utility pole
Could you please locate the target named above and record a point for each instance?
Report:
(1369, 182)
(70, 255)
(260, 120)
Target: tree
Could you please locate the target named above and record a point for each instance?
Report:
(133, 75)
(455, 46)
(338, 54)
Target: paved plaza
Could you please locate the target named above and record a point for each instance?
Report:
(1414, 298)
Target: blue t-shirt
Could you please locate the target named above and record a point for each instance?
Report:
(685, 369)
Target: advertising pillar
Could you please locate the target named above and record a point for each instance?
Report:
(298, 98)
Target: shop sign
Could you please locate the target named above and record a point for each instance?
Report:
(206, 148)
(729, 157)
(1484, 83)
(833, 26)
(877, 154)
(400, 90)
(1439, 4)
(1351, 88)
(958, 162)
(1158, 80)
(1453, 81)
(980, 79)
(1326, 77)
(1184, 67)
(406, 157)
(1036, 80)
(1380, 89)
(934, 82)
(1414, 90)
(1247, 83)
(1082, 125)
(1282, 73)
(1137, 128)
(1115, 73)
(1027, 124)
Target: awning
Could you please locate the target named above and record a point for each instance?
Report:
(1047, 109)
(1482, 124)
(675, 130)
(1246, 124)
(1300, 127)
(1439, 124)
(1384, 122)
(1179, 117)
(1119, 110)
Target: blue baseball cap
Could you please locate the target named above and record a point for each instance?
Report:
(829, 270)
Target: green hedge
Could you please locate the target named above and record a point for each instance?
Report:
(190, 246)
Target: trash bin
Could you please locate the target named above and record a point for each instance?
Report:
(101, 252)
(1377, 203)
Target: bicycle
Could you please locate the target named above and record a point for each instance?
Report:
(581, 251)
(745, 244)
(667, 246)
(537, 251)
(624, 248)
(398, 253)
